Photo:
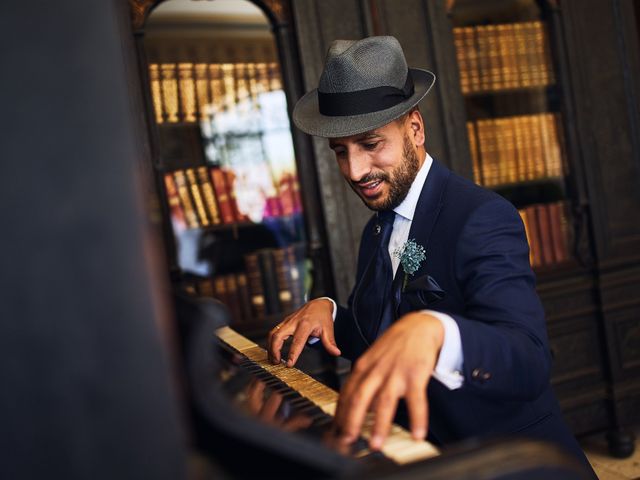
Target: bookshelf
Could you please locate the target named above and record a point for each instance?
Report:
(514, 118)
(227, 173)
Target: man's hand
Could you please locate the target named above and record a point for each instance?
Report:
(315, 318)
(398, 365)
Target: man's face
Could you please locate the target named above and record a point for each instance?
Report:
(379, 165)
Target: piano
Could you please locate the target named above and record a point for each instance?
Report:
(252, 419)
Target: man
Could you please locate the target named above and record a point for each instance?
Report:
(458, 333)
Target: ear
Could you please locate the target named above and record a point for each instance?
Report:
(416, 126)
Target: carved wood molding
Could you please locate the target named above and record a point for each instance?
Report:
(280, 9)
(139, 11)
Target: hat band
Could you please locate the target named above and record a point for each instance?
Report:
(364, 101)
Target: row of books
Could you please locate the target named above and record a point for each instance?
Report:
(191, 92)
(206, 196)
(272, 284)
(503, 57)
(516, 149)
(548, 233)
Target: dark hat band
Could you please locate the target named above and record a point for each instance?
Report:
(364, 101)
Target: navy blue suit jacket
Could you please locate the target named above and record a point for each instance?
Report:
(477, 252)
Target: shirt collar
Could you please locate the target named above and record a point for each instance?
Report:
(408, 206)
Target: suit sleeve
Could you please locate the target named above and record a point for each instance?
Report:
(503, 331)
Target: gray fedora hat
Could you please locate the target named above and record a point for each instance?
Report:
(365, 84)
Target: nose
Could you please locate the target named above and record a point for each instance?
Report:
(358, 166)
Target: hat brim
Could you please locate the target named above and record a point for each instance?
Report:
(307, 116)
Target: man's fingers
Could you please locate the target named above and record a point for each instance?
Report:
(300, 338)
(383, 416)
(353, 407)
(329, 341)
(277, 336)
(416, 398)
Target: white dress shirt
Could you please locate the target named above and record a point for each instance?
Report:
(449, 365)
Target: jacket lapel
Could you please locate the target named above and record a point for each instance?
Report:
(424, 218)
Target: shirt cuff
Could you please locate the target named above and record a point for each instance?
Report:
(313, 340)
(448, 369)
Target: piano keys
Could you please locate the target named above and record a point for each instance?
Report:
(300, 400)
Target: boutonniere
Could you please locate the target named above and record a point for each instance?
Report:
(411, 255)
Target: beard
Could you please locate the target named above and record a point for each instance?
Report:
(399, 179)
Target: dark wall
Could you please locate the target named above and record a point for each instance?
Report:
(85, 385)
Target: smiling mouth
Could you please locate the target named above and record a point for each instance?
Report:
(371, 189)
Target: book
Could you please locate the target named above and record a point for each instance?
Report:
(534, 236)
(472, 54)
(233, 297)
(156, 91)
(169, 85)
(185, 199)
(475, 155)
(527, 230)
(494, 80)
(218, 179)
(206, 188)
(284, 279)
(484, 65)
(544, 229)
(244, 296)
(177, 212)
(295, 255)
(197, 197)
(269, 280)
(203, 90)
(254, 282)
(558, 227)
(187, 89)
(461, 56)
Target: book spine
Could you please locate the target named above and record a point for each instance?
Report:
(233, 298)
(187, 88)
(254, 281)
(495, 80)
(475, 154)
(502, 162)
(169, 91)
(220, 288)
(484, 61)
(526, 220)
(559, 239)
(219, 185)
(185, 199)
(156, 91)
(534, 238)
(555, 141)
(177, 212)
(461, 56)
(472, 54)
(209, 197)
(269, 281)
(546, 243)
(197, 197)
(522, 55)
(283, 276)
(535, 133)
(296, 273)
(509, 147)
(245, 296)
(203, 90)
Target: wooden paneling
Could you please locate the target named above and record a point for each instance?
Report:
(605, 121)
(318, 23)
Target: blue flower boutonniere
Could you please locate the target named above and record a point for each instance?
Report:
(411, 255)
